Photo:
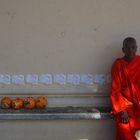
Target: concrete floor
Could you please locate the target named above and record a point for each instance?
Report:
(58, 130)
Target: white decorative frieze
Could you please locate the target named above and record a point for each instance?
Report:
(50, 79)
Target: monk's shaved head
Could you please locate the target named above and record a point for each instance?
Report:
(129, 48)
(129, 40)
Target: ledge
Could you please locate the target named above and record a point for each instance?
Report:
(57, 113)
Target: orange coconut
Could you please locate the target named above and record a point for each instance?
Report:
(41, 102)
(6, 103)
(17, 103)
(29, 103)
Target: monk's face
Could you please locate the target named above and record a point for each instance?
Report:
(130, 49)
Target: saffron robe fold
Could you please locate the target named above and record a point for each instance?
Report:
(124, 97)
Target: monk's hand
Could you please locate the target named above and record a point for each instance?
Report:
(125, 116)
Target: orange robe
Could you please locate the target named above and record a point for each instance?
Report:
(124, 97)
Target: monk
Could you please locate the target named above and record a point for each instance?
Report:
(125, 91)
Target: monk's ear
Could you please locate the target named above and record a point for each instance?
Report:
(136, 48)
(123, 50)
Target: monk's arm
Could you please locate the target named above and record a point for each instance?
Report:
(119, 102)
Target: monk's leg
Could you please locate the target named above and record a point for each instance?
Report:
(124, 132)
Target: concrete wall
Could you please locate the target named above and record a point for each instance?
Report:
(63, 36)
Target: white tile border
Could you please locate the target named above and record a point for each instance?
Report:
(50, 79)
